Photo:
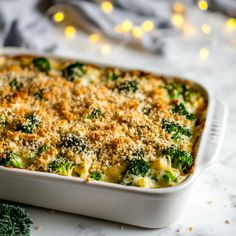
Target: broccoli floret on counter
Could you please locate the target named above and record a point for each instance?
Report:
(30, 125)
(181, 160)
(175, 128)
(128, 86)
(181, 110)
(168, 177)
(12, 159)
(14, 220)
(138, 167)
(61, 165)
(95, 114)
(73, 71)
(42, 64)
(96, 175)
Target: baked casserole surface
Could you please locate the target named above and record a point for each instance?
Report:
(74, 119)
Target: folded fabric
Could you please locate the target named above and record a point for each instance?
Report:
(90, 17)
(227, 7)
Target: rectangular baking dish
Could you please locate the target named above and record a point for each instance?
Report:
(150, 208)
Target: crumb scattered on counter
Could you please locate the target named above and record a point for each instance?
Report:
(227, 222)
(190, 228)
(209, 202)
(38, 227)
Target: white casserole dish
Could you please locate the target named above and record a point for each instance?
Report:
(151, 208)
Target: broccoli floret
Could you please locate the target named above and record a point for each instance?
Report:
(128, 86)
(42, 64)
(181, 160)
(138, 167)
(181, 110)
(12, 159)
(14, 84)
(3, 121)
(175, 89)
(175, 128)
(146, 111)
(39, 94)
(95, 114)
(42, 149)
(112, 76)
(30, 125)
(96, 175)
(73, 142)
(139, 153)
(61, 165)
(74, 71)
(179, 90)
(14, 220)
(168, 177)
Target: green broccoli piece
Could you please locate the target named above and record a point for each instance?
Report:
(128, 86)
(30, 125)
(175, 128)
(168, 177)
(42, 149)
(14, 84)
(95, 114)
(138, 167)
(73, 142)
(3, 122)
(112, 76)
(181, 160)
(139, 153)
(14, 221)
(181, 110)
(61, 165)
(12, 159)
(96, 175)
(74, 71)
(39, 94)
(175, 89)
(146, 111)
(42, 64)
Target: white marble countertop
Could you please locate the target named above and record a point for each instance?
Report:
(211, 209)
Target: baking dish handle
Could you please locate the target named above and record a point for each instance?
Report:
(215, 134)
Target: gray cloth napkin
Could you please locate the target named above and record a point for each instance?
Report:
(22, 24)
(90, 17)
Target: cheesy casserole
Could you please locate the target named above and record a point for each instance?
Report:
(106, 124)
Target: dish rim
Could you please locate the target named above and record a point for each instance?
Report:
(114, 186)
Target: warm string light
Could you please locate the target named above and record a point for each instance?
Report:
(178, 8)
(106, 49)
(137, 32)
(177, 20)
(126, 25)
(231, 24)
(107, 7)
(70, 32)
(206, 29)
(147, 25)
(94, 38)
(203, 5)
(204, 53)
(58, 16)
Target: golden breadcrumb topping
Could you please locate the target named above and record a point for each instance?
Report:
(126, 127)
